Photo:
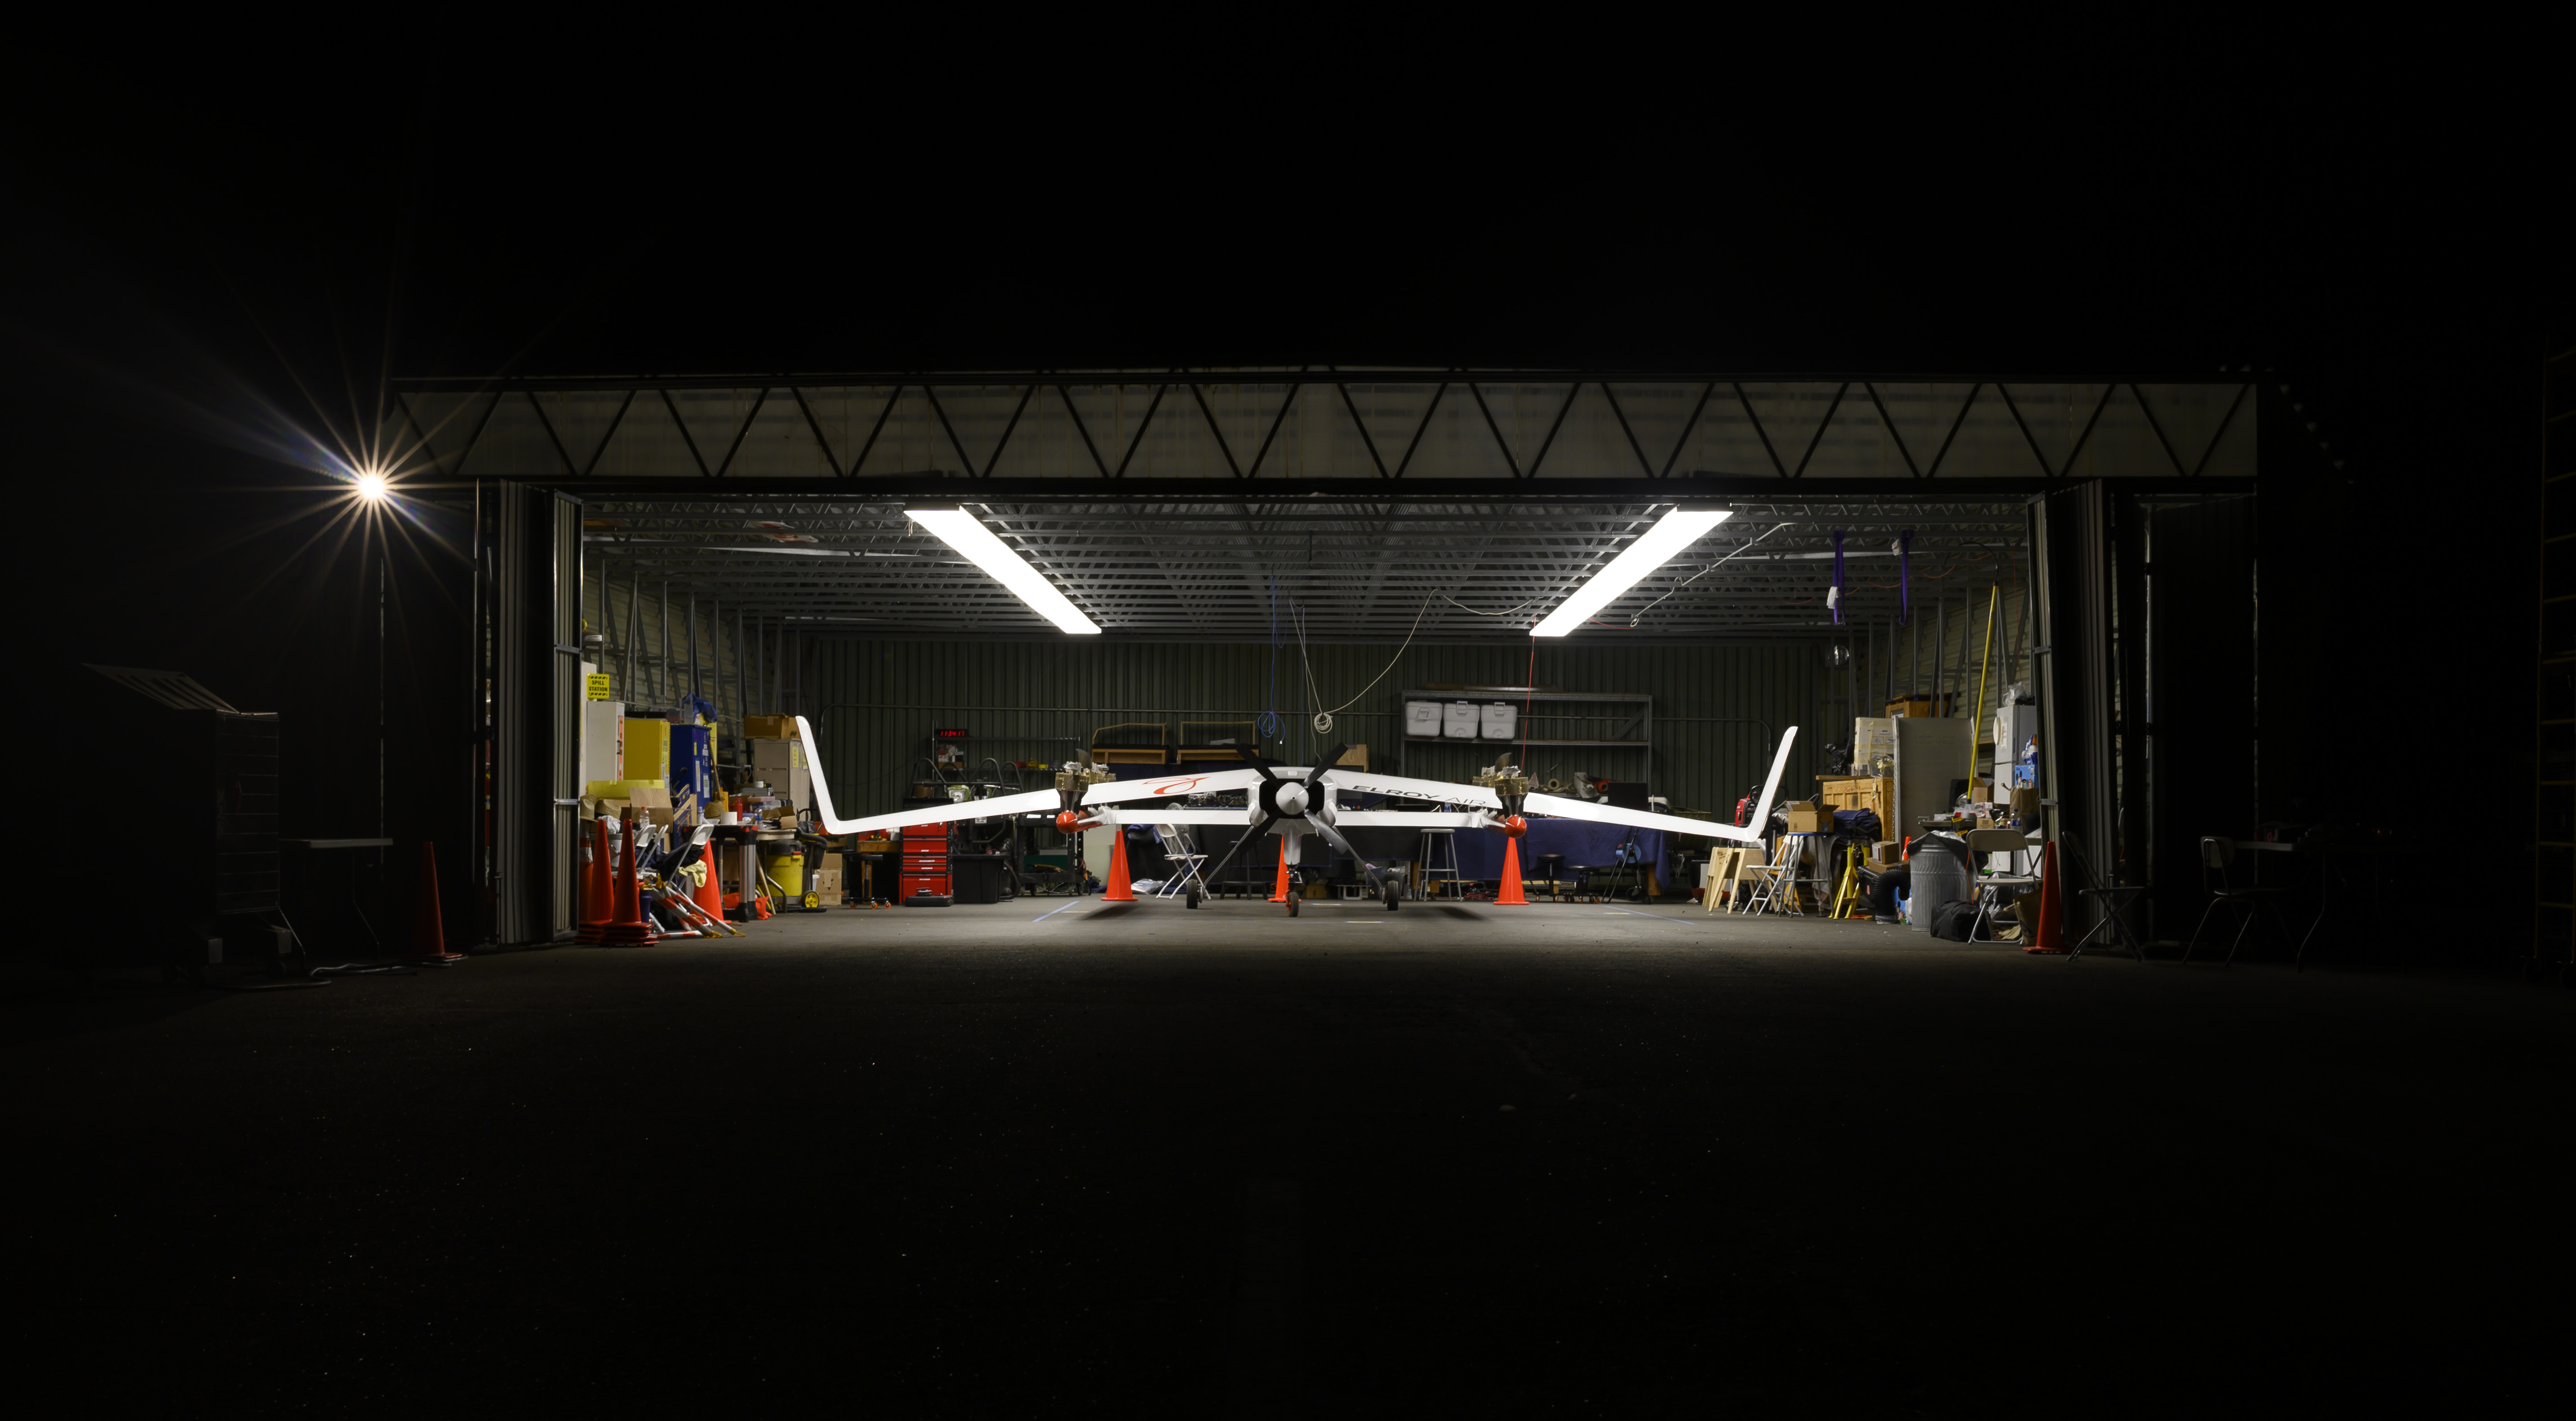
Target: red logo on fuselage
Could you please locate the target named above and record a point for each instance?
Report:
(1178, 786)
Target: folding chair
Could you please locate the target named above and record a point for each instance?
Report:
(1996, 889)
(1185, 857)
(2219, 856)
(1781, 872)
(2113, 902)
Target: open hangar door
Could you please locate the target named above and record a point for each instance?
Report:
(1264, 546)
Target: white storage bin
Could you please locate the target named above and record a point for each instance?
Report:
(1422, 717)
(1458, 720)
(1501, 720)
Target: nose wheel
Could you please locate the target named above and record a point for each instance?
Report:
(1390, 892)
(1191, 898)
(1292, 900)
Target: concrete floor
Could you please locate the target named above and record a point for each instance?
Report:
(1058, 1155)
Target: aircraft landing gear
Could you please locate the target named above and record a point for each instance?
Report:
(1389, 892)
(1191, 899)
(1292, 900)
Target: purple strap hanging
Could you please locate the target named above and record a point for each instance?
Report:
(1905, 578)
(1835, 599)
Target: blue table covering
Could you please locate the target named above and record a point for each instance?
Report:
(1480, 851)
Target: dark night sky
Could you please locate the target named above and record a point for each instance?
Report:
(232, 240)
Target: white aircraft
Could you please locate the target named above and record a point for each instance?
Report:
(1290, 800)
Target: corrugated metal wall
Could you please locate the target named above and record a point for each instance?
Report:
(1718, 709)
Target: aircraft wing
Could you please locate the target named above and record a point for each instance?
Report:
(1643, 819)
(1166, 786)
(833, 823)
(1403, 819)
(1001, 805)
(1563, 808)
(1437, 791)
(1240, 816)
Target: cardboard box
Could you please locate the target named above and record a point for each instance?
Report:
(1808, 817)
(769, 727)
(2025, 804)
(825, 884)
(771, 758)
(831, 863)
(1884, 852)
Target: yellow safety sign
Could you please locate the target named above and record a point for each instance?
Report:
(598, 685)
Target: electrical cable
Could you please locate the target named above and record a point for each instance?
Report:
(1267, 726)
(1703, 572)
(1324, 719)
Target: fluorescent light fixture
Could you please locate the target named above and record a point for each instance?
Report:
(961, 530)
(1677, 530)
(371, 487)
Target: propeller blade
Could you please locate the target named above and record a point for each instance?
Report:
(1259, 828)
(1331, 758)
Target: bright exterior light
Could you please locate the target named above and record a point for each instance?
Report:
(1677, 530)
(961, 530)
(371, 487)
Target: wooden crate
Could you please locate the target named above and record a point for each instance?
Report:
(1100, 756)
(1876, 795)
(1194, 756)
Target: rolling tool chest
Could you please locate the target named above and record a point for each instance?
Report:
(925, 882)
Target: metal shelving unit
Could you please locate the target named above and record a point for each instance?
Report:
(1644, 722)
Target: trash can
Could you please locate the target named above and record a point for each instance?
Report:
(1940, 875)
(977, 877)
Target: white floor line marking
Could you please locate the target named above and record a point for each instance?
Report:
(1042, 917)
(1658, 917)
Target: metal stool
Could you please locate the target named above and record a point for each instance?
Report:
(1552, 864)
(1439, 861)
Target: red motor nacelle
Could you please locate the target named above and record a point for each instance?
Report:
(1071, 821)
(1514, 826)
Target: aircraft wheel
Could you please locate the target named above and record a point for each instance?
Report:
(1191, 899)
(1292, 902)
(1392, 893)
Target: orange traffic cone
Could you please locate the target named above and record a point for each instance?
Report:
(710, 894)
(628, 929)
(1510, 896)
(1119, 891)
(596, 910)
(2046, 937)
(429, 931)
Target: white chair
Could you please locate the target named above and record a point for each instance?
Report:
(1781, 872)
(1185, 858)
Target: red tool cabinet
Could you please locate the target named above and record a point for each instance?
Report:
(925, 881)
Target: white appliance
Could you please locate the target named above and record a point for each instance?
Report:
(1500, 720)
(1458, 720)
(1422, 718)
(2014, 726)
(603, 740)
